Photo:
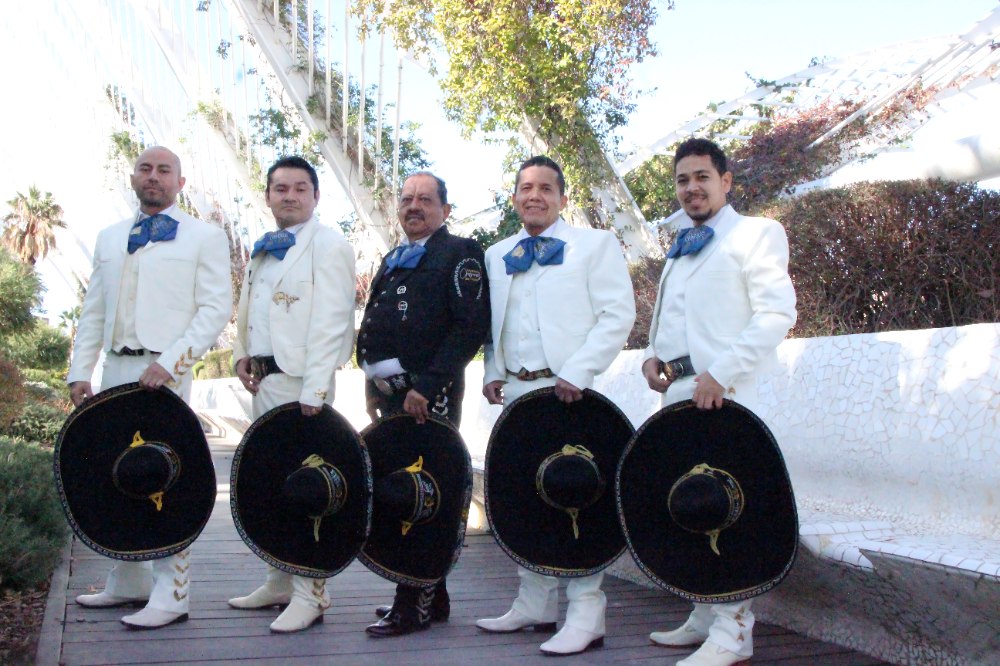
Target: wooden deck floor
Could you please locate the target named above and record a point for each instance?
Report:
(482, 585)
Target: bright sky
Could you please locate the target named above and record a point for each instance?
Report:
(706, 47)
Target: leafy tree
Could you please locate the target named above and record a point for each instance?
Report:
(552, 73)
(43, 347)
(508, 225)
(20, 292)
(29, 229)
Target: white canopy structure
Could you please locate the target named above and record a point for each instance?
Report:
(955, 136)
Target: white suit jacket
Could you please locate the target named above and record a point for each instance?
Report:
(739, 302)
(586, 306)
(311, 310)
(184, 295)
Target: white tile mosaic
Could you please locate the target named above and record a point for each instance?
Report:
(892, 442)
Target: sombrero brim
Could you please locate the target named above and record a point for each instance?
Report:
(756, 552)
(428, 551)
(102, 516)
(272, 448)
(533, 533)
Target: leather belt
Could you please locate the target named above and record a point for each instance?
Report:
(128, 351)
(262, 366)
(394, 383)
(526, 375)
(677, 368)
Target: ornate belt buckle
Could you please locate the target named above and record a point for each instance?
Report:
(382, 385)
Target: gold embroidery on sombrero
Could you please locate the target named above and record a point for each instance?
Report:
(315, 460)
(575, 450)
(157, 497)
(415, 468)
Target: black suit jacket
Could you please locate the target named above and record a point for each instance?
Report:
(434, 317)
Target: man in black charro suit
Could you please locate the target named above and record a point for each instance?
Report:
(426, 317)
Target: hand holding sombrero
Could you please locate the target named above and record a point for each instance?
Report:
(301, 491)
(706, 504)
(134, 473)
(423, 486)
(549, 467)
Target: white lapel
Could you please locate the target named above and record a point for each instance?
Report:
(117, 250)
(727, 220)
(303, 239)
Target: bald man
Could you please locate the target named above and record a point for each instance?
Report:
(159, 295)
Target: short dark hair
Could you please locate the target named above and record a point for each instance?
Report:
(542, 161)
(702, 147)
(293, 162)
(441, 187)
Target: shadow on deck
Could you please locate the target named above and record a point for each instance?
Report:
(482, 585)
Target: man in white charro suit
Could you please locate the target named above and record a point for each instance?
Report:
(562, 309)
(159, 295)
(725, 303)
(295, 327)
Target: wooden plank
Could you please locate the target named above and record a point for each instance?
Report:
(483, 584)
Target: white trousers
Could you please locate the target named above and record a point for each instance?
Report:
(310, 592)
(730, 626)
(538, 598)
(275, 390)
(538, 595)
(165, 581)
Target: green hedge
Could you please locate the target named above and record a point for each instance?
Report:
(38, 422)
(33, 527)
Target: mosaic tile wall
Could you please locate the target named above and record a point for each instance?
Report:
(892, 442)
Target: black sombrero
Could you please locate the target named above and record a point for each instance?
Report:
(134, 473)
(706, 503)
(423, 486)
(549, 470)
(301, 491)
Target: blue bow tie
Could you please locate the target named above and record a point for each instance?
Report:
(404, 256)
(154, 228)
(276, 243)
(690, 241)
(542, 249)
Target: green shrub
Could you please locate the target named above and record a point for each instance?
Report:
(42, 346)
(55, 380)
(40, 391)
(38, 422)
(20, 293)
(32, 524)
(11, 393)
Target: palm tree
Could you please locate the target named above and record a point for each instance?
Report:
(29, 229)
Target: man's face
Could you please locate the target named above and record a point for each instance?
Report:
(291, 196)
(420, 210)
(537, 199)
(701, 190)
(157, 179)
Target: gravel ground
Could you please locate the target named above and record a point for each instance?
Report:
(21, 616)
